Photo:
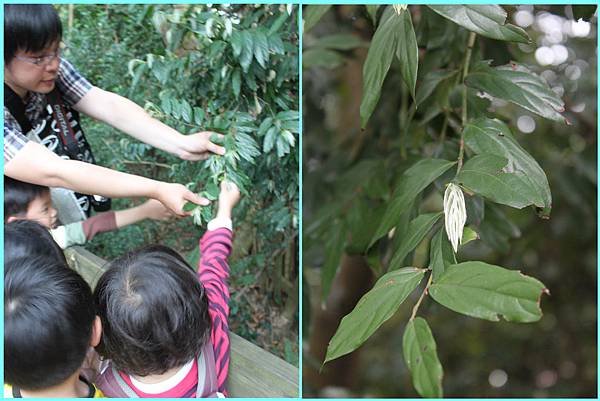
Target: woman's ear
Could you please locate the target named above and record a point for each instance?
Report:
(96, 332)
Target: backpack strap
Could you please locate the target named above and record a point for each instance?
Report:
(67, 134)
(15, 105)
(207, 373)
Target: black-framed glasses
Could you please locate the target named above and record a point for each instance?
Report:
(46, 59)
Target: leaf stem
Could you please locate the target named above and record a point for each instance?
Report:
(416, 307)
(470, 44)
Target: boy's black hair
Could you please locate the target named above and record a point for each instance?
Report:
(48, 318)
(18, 195)
(154, 311)
(29, 27)
(27, 238)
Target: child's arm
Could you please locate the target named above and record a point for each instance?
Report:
(215, 247)
(151, 209)
(80, 232)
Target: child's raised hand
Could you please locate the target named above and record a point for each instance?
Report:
(155, 210)
(228, 197)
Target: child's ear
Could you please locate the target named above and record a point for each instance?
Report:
(96, 332)
(10, 219)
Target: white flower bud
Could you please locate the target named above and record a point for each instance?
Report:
(455, 214)
(399, 8)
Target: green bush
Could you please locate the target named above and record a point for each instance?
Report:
(230, 69)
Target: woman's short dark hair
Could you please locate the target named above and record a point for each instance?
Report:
(27, 238)
(154, 311)
(18, 195)
(48, 319)
(29, 27)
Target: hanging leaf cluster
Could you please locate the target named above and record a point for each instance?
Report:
(476, 157)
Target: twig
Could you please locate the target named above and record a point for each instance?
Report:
(470, 43)
(141, 162)
(416, 307)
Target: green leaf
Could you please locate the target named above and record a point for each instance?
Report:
(211, 191)
(441, 254)
(321, 58)
(372, 11)
(236, 82)
(377, 64)
(189, 206)
(468, 235)
(312, 14)
(373, 309)
(247, 50)
(417, 230)
(484, 174)
(264, 126)
(430, 82)
(198, 115)
(412, 182)
(407, 51)
(186, 111)
(420, 354)
(288, 115)
(493, 136)
(516, 84)
(486, 291)
(341, 41)
(282, 146)
(334, 249)
(261, 48)
(486, 20)
(269, 140)
(237, 43)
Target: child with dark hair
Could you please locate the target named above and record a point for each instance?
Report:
(27, 201)
(165, 329)
(26, 238)
(49, 324)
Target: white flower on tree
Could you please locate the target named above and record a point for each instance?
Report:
(455, 214)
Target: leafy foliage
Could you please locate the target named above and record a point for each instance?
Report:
(418, 134)
(228, 69)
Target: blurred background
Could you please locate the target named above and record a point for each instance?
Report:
(555, 357)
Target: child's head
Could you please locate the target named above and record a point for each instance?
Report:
(154, 311)
(26, 201)
(25, 238)
(49, 322)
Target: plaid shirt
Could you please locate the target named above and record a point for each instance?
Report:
(72, 86)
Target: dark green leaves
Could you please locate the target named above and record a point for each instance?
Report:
(420, 355)
(373, 309)
(486, 291)
(485, 175)
(516, 84)
(486, 20)
(494, 137)
(395, 32)
(417, 230)
(441, 254)
(407, 51)
(413, 181)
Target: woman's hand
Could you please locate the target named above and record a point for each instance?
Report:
(175, 196)
(198, 146)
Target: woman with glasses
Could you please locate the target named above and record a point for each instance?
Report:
(44, 93)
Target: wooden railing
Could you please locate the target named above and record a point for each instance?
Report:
(253, 372)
